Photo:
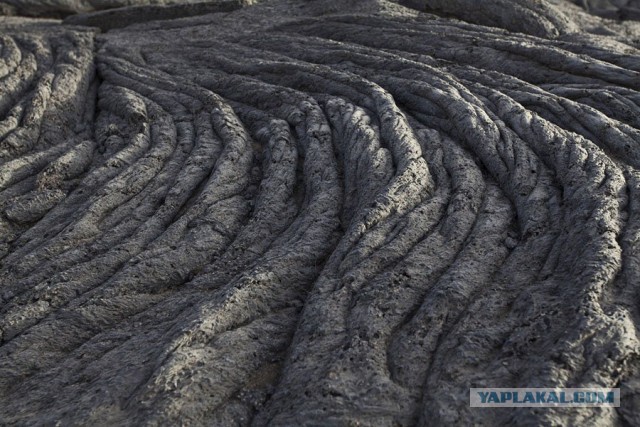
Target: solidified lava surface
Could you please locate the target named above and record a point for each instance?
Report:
(289, 212)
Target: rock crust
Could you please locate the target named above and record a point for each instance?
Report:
(317, 213)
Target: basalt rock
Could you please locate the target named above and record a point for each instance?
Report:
(318, 213)
(62, 8)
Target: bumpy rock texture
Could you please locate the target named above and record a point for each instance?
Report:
(319, 213)
(615, 9)
(61, 8)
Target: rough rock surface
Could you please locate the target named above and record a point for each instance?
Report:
(319, 213)
(613, 9)
(61, 8)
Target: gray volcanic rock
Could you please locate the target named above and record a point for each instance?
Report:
(318, 213)
(613, 9)
(61, 8)
(535, 17)
(125, 16)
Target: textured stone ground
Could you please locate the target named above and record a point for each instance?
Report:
(318, 213)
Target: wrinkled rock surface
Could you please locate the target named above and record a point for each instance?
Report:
(317, 213)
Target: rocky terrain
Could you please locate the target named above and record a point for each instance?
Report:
(317, 212)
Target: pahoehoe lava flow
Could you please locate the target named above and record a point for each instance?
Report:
(323, 212)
